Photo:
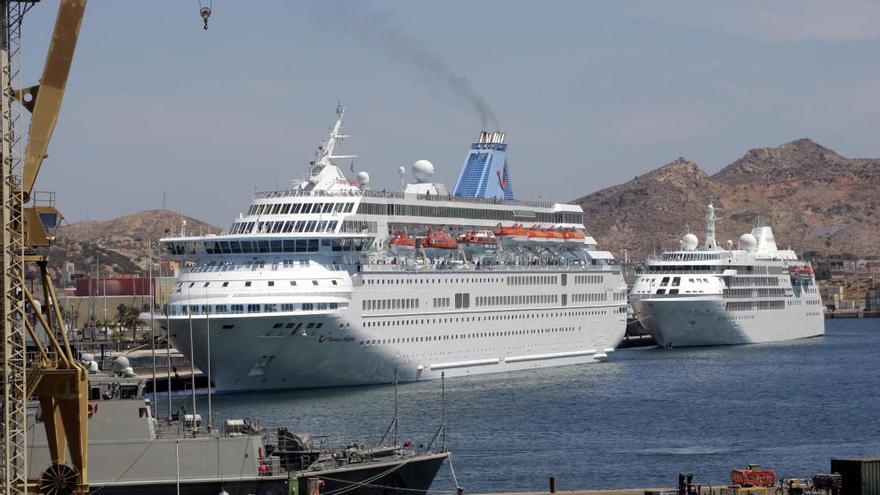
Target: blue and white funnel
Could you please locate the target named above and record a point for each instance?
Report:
(485, 173)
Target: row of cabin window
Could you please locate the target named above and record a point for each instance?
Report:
(284, 227)
(419, 280)
(247, 246)
(514, 316)
(751, 281)
(269, 283)
(514, 300)
(588, 279)
(250, 265)
(380, 304)
(477, 212)
(201, 309)
(461, 336)
(742, 293)
(442, 302)
(691, 256)
(532, 280)
(300, 208)
(752, 305)
(594, 297)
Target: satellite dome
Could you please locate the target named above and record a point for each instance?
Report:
(120, 364)
(747, 242)
(689, 242)
(93, 366)
(87, 357)
(423, 171)
(363, 178)
(728, 245)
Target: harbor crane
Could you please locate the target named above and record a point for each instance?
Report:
(35, 353)
(37, 359)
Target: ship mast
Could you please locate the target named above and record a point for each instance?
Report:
(324, 155)
(710, 228)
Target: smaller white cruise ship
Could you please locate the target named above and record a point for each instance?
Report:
(713, 295)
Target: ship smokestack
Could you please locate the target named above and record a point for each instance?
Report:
(485, 173)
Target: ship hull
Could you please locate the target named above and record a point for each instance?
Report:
(334, 350)
(705, 322)
(377, 478)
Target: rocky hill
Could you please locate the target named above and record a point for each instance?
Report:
(119, 244)
(815, 200)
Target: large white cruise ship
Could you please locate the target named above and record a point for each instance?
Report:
(720, 295)
(330, 283)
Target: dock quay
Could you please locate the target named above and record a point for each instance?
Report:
(179, 382)
(851, 313)
(598, 491)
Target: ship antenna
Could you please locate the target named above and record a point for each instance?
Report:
(396, 410)
(443, 407)
(393, 428)
(441, 431)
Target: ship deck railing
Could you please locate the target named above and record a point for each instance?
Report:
(399, 195)
(471, 267)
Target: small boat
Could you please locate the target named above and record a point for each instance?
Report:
(439, 242)
(536, 234)
(478, 241)
(516, 234)
(554, 236)
(573, 236)
(402, 243)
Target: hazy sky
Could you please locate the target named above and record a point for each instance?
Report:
(590, 93)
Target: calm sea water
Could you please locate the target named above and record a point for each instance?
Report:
(636, 420)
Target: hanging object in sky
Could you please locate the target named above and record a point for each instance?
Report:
(205, 11)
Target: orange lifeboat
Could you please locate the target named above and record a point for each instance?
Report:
(478, 241)
(553, 235)
(439, 239)
(513, 234)
(536, 234)
(572, 235)
(402, 243)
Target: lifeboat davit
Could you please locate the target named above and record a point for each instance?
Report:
(402, 243)
(439, 242)
(516, 234)
(482, 241)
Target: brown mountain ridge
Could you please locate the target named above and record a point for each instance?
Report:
(120, 245)
(815, 199)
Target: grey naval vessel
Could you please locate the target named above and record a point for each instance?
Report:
(131, 452)
(332, 283)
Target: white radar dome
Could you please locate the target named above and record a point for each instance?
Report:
(363, 178)
(423, 171)
(689, 242)
(120, 364)
(747, 242)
